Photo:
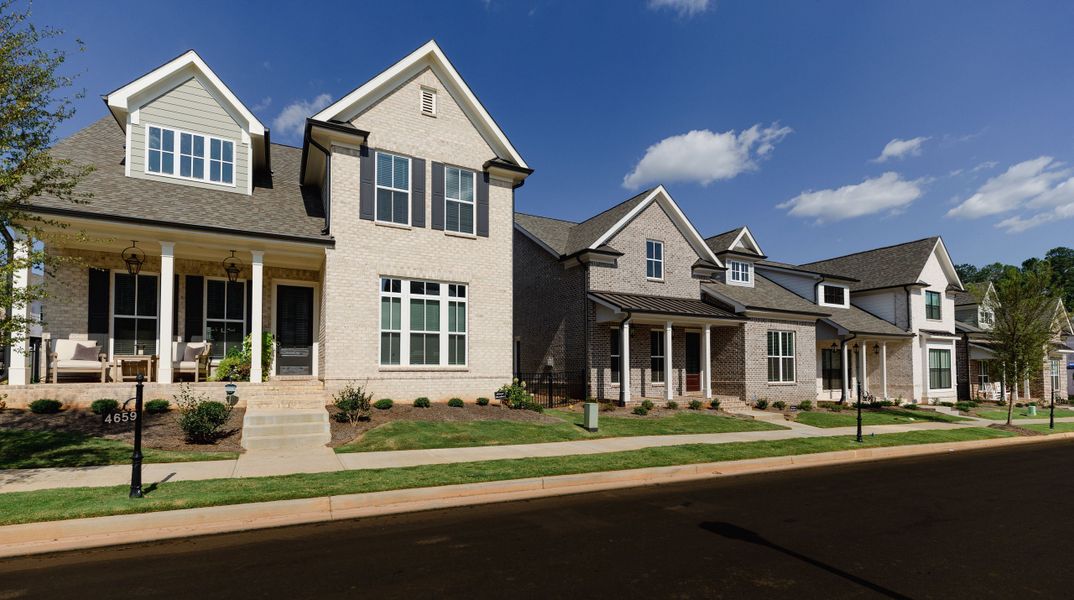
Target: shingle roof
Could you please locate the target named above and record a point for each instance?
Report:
(881, 267)
(765, 295)
(663, 305)
(788, 266)
(969, 295)
(856, 320)
(722, 241)
(278, 207)
(555, 233)
(567, 237)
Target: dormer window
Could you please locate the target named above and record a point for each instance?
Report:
(161, 151)
(740, 272)
(832, 295)
(986, 317)
(428, 102)
(654, 260)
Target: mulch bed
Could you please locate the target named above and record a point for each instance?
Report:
(1015, 429)
(343, 433)
(159, 431)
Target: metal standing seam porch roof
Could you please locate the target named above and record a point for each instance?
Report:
(663, 305)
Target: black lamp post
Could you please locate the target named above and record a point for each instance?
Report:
(136, 458)
(1051, 413)
(859, 411)
(134, 257)
(233, 267)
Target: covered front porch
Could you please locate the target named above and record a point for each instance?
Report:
(849, 364)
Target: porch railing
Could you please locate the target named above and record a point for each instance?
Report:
(555, 388)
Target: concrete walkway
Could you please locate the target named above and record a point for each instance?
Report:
(264, 463)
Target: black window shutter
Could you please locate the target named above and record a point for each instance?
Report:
(97, 319)
(175, 306)
(438, 195)
(195, 294)
(483, 205)
(367, 190)
(249, 308)
(417, 192)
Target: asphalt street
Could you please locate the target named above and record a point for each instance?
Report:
(982, 524)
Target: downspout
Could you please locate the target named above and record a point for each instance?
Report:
(909, 314)
(622, 389)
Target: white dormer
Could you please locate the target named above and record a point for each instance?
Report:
(833, 294)
(184, 126)
(739, 272)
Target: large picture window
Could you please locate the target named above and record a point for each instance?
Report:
(134, 312)
(459, 200)
(656, 355)
(933, 306)
(831, 368)
(423, 322)
(780, 356)
(161, 155)
(939, 369)
(654, 259)
(393, 188)
(225, 315)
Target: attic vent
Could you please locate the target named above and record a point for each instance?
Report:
(428, 102)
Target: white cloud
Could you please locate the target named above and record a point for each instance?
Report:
(685, 8)
(703, 156)
(985, 166)
(897, 148)
(889, 192)
(1012, 189)
(262, 104)
(292, 119)
(1058, 203)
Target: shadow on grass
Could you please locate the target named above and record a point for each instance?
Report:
(29, 449)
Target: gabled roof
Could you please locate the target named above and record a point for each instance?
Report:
(739, 240)
(890, 266)
(973, 293)
(428, 56)
(133, 95)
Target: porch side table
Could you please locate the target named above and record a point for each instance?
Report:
(127, 367)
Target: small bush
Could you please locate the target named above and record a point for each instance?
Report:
(965, 406)
(714, 404)
(104, 405)
(45, 406)
(947, 404)
(1016, 405)
(353, 404)
(641, 411)
(383, 404)
(761, 404)
(455, 403)
(672, 405)
(779, 405)
(806, 405)
(482, 401)
(607, 407)
(836, 408)
(911, 407)
(157, 406)
(647, 405)
(422, 402)
(1001, 402)
(528, 405)
(202, 422)
(695, 405)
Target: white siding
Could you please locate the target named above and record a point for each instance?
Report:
(802, 285)
(882, 304)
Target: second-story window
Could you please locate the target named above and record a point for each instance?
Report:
(833, 295)
(161, 155)
(393, 188)
(459, 200)
(740, 271)
(932, 306)
(221, 160)
(161, 151)
(654, 259)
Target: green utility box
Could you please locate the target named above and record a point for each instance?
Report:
(590, 419)
(1032, 410)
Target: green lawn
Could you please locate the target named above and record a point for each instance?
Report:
(70, 503)
(1043, 427)
(416, 435)
(887, 416)
(32, 449)
(1000, 414)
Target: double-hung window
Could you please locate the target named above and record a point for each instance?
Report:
(393, 188)
(832, 369)
(654, 259)
(780, 356)
(134, 311)
(614, 354)
(423, 323)
(221, 161)
(225, 315)
(391, 326)
(456, 324)
(1055, 376)
(161, 151)
(192, 156)
(932, 305)
(161, 155)
(459, 200)
(939, 369)
(741, 272)
(656, 355)
(982, 374)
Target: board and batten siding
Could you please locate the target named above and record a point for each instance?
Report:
(190, 107)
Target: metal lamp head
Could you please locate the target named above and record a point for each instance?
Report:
(230, 388)
(134, 257)
(233, 267)
(876, 349)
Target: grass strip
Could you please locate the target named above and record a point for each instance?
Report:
(36, 449)
(885, 416)
(71, 503)
(1065, 427)
(1000, 414)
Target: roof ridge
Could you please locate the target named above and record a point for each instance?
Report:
(936, 237)
(739, 228)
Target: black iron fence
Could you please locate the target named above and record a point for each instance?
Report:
(555, 388)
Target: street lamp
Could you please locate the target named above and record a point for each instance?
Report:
(136, 458)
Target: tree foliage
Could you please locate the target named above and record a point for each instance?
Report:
(1060, 260)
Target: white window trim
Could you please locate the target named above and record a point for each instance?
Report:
(820, 295)
(928, 369)
(404, 324)
(663, 357)
(177, 153)
(659, 261)
(205, 307)
(793, 356)
(617, 333)
(472, 203)
(378, 186)
(983, 378)
(748, 269)
(112, 309)
(925, 298)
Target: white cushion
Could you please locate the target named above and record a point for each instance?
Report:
(67, 349)
(185, 365)
(87, 365)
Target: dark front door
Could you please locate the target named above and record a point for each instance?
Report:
(693, 362)
(294, 330)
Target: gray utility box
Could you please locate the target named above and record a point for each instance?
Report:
(590, 419)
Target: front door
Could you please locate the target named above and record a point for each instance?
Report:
(294, 330)
(693, 362)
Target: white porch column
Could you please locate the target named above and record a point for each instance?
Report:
(624, 362)
(164, 316)
(864, 368)
(884, 366)
(706, 360)
(846, 372)
(256, 300)
(669, 392)
(17, 373)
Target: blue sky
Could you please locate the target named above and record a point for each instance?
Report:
(828, 127)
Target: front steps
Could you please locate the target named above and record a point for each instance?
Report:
(286, 414)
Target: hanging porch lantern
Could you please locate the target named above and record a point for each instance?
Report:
(876, 349)
(233, 267)
(134, 257)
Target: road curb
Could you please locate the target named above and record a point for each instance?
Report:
(74, 534)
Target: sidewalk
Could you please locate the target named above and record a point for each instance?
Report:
(264, 463)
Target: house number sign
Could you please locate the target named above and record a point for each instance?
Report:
(120, 417)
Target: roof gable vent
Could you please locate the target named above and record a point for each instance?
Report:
(428, 102)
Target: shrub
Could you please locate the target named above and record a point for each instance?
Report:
(482, 401)
(779, 405)
(353, 403)
(157, 406)
(455, 403)
(200, 418)
(911, 406)
(695, 405)
(45, 406)
(761, 404)
(104, 405)
(806, 405)
(672, 405)
(714, 404)
(516, 397)
(422, 402)
(1018, 405)
(383, 404)
(965, 406)
(836, 408)
(947, 404)
(1001, 402)
(607, 407)
(647, 405)
(641, 411)
(236, 365)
